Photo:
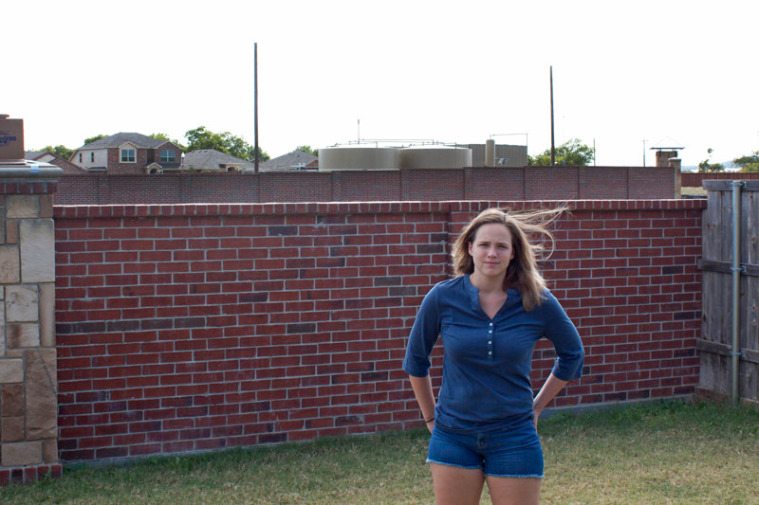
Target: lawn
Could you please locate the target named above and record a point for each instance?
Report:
(654, 453)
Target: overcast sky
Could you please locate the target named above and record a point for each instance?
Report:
(626, 74)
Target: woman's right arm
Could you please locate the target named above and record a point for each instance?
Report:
(422, 387)
(421, 340)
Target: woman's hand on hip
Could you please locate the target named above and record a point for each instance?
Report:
(430, 425)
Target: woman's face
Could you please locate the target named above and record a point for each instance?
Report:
(491, 250)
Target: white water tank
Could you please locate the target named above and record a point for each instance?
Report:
(359, 158)
(436, 156)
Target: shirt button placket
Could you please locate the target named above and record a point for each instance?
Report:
(490, 340)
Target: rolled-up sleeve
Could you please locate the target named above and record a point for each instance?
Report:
(560, 330)
(423, 336)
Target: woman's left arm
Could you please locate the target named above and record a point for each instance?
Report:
(566, 340)
(550, 389)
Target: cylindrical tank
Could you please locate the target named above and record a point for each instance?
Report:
(358, 158)
(436, 157)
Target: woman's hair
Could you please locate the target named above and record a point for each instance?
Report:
(522, 273)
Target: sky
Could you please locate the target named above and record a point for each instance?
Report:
(627, 76)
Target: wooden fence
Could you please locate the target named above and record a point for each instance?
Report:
(715, 346)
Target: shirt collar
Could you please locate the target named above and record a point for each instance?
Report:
(513, 295)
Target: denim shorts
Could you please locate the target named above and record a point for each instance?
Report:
(515, 452)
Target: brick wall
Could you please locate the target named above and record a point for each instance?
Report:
(199, 327)
(697, 179)
(506, 183)
(137, 168)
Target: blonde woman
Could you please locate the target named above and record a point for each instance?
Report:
(484, 422)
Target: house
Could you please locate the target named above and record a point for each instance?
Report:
(296, 160)
(211, 160)
(128, 153)
(48, 157)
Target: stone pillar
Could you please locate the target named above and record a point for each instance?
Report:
(28, 380)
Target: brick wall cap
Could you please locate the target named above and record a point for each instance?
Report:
(329, 208)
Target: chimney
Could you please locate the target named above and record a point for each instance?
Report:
(490, 153)
(663, 157)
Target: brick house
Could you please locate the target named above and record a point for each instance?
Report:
(128, 153)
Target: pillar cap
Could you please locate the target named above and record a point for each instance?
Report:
(26, 169)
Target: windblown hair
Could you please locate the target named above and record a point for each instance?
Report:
(522, 273)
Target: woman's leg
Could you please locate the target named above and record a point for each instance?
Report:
(514, 491)
(456, 486)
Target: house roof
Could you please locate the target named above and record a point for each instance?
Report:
(291, 161)
(118, 139)
(67, 166)
(211, 159)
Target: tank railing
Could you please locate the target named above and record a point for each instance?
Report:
(407, 142)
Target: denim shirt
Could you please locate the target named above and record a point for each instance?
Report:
(487, 362)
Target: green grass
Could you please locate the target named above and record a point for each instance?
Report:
(653, 453)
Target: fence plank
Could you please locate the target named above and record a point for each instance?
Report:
(714, 347)
(750, 308)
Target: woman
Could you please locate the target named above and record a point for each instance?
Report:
(484, 425)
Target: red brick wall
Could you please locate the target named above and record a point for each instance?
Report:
(292, 187)
(697, 179)
(527, 183)
(434, 185)
(594, 184)
(374, 186)
(197, 327)
(479, 184)
(137, 168)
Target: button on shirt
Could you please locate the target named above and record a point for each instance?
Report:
(487, 362)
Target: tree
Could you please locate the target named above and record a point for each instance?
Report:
(94, 138)
(708, 166)
(308, 150)
(571, 153)
(60, 151)
(262, 155)
(160, 136)
(165, 138)
(748, 163)
(201, 138)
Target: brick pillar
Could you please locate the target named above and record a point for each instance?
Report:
(28, 381)
(676, 163)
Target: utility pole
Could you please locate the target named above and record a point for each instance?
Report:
(553, 147)
(594, 152)
(255, 107)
